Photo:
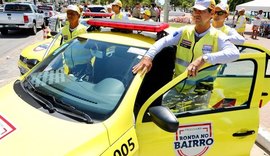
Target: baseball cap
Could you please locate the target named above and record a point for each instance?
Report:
(147, 12)
(73, 8)
(223, 6)
(242, 9)
(204, 4)
(118, 3)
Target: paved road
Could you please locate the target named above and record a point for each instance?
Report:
(10, 49)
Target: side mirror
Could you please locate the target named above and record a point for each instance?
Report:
(164, 118)
(40, 11)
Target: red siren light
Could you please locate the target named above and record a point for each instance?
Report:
(129, 24)
(97, 14)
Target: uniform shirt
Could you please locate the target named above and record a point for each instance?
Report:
(149, 20)
(233, 35)
(227, 51)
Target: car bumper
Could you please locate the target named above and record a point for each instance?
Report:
(17, 26)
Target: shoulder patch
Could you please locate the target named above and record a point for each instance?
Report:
(175, 34)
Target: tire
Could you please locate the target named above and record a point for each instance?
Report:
(33, 31)
(4, 31)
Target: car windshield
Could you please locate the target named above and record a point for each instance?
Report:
(89, 75)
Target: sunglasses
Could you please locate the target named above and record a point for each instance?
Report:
(220, 13)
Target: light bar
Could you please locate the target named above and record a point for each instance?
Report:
(129, 24)
(97, 14)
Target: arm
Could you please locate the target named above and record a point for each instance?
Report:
(146, 62)
(235, 37)
(228, 52)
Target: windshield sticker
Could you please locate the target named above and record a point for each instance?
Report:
(42, 47)
(136, 51)
(5, 127)
(193, 139)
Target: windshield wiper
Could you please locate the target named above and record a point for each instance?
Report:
(75, 112)
(34, 93)
(67, 109)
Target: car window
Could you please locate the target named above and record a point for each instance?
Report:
(215, 89)
(253, 49)
(44, 7)
(96, 9)
(90, 75)
(17, 7)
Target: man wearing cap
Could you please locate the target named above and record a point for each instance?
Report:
(146, 16)
(116, 8)
(221, 14)
(257, 24)
(196, 45)
(136, 12)
(73, 28)
(241, 22)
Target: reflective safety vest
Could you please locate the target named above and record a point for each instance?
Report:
(243, 26)
(67, 35)
(188, 50)
(118, 16)
(225, 29)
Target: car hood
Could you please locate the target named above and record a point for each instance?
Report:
(25, 130)
(37, 50)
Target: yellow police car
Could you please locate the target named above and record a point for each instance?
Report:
(84, 100)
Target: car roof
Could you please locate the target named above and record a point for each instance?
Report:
(137, 40)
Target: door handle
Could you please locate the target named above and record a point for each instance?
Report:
(264, 94)
(241, 134)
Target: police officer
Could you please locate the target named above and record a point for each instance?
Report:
(196, 45)
(116, 8)
(221, 14)
(147, 16)
(241, 22)
(73, 28)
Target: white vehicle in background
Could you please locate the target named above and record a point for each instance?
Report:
(48, 11)
(1, 8)
(20, 16)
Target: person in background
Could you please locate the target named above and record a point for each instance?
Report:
(234, 19)
(159, 12)
(154, 11)
(73, 28)
(221, 14)
(109, 8)
(241, 22)
(146, 16)
(136, 12)
(116, 8)
(257, 24)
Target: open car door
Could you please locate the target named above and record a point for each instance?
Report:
(252, 48)
(214, 117)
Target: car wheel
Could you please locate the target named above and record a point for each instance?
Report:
(4, 31)
(34, 30)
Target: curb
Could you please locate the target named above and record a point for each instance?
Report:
(263, 139)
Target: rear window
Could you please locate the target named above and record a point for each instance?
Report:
(49, 8)
(18, 7)
(96, 9)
